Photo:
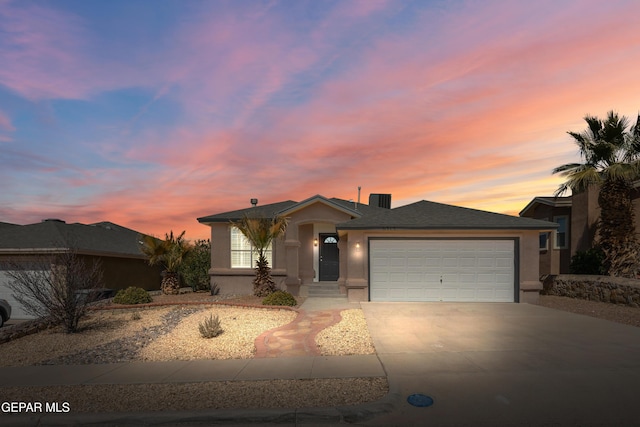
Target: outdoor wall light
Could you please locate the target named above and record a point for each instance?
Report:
(357, 245)
(315, 242)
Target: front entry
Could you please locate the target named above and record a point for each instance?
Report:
(329, 258)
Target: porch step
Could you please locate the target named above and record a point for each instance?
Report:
(325, 290)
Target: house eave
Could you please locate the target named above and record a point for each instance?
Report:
(319, 199)
(452, 228)
(49, 251)
(556, 203)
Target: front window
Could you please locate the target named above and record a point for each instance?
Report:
(544, 241)
(562, 232)
(242, 253)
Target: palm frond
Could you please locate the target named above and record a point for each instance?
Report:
(153, 248)
(566, 168)
(622, 171)
(579, 178)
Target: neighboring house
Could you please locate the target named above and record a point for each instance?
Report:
(116, 247)
(424, 251)
(577, 217)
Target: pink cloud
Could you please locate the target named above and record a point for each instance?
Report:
(5, 123)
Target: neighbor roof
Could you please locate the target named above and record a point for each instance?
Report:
(102, 238)
(555, 202)
(425, 215)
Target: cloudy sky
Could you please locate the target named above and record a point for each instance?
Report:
(151, 113)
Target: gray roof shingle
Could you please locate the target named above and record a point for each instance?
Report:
(102, 238)
(425, 215)
(422, 215)
(267, 211)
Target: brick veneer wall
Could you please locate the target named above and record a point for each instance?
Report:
(616, 290)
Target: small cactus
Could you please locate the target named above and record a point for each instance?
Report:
(210, 328)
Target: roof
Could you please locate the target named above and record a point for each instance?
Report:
(423, 215)
(267, 211)
(102, 238)
(555, 202)
(349, 208)
(290, 206)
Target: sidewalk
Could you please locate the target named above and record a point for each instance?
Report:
(179, 371)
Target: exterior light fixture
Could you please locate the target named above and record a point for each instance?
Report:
(357, 245)
(315, 242)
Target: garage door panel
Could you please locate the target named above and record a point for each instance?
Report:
(415, 277)
(504, 262)
(442, 270)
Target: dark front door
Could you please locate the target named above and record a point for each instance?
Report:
(329, 258)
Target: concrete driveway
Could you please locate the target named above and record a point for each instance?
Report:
(505, 364)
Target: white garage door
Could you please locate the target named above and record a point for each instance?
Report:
(17, 311)
(442, 270)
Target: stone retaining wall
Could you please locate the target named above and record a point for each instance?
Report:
(616, 290)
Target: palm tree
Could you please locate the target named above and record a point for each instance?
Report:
(611, 160)
(261, 232)
(169, 253)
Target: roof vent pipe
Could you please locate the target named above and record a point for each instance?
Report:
(254, 202)
(358, 198)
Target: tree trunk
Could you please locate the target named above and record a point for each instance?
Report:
(617, 229)
(170, 283)
(263, 284)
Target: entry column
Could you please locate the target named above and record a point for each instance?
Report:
(292, 245)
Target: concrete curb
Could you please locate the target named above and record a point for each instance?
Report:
(294, 416)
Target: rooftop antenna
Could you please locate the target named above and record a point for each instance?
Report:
(254, 202)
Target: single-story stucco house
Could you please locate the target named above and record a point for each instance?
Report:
(116, 247)
(423, 251)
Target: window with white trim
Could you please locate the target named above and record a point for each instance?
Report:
(242, 253)
(561, 235)
(544, 241)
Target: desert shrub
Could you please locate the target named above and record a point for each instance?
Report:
(56, 288)
(215, 289)
(136, 316)
(132, 295)
(211, 327)
(195, 268)
(588, 262)
(280, 298)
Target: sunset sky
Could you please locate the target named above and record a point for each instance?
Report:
(151, 113)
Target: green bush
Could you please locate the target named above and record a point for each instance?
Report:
(210, 328)
(588, 262)
(132, 295)
(280, 298)
(195, 268)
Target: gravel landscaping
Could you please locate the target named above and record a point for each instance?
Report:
(161, 332)
(602, 310)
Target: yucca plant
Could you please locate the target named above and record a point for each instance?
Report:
(211, 327)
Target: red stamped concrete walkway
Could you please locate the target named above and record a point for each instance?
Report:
(298, 337)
